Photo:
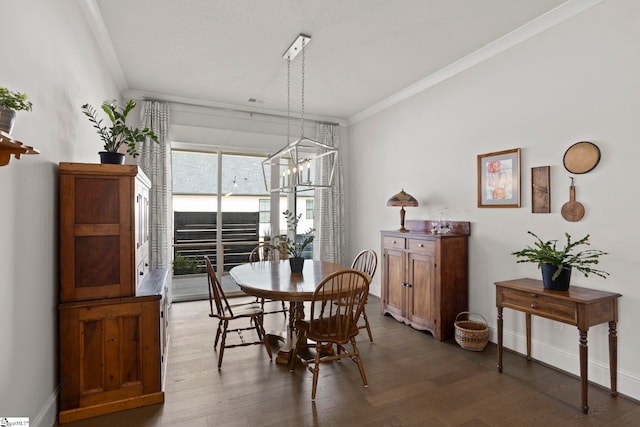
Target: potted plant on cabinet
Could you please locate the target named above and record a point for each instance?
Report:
(118, 133)
(556, 264)
(10, 102)
(289, 246)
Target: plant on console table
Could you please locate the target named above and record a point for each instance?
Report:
(556, 264)
(118, 133)
(289, 246)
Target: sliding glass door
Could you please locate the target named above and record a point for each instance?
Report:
(222, 210)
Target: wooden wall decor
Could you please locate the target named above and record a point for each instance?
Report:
(540, 189)
(572, 211)
(581, 157)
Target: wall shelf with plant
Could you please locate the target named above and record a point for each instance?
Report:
(10, 102)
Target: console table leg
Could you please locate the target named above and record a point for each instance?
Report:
(528, 323)
(613, 358)
(584, 381)
(499, 339)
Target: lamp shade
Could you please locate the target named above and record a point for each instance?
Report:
(402, 199)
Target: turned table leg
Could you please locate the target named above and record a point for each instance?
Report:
(499, 339)
(584, 381)
(528, 323)
(613, 358)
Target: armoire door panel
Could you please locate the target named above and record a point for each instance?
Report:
(97, 261)
(111, 345)
(92, 341)
(100, 201)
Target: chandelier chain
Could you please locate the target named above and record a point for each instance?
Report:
(288, 98)
(302, 107)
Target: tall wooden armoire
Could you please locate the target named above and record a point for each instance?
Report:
(112, 307)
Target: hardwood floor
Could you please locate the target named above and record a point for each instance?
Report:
(193, 287)
(414, 380)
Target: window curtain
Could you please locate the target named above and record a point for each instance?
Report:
(328, 220)
(155, 162)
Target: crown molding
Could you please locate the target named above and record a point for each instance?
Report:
(542, 23)
(94, 18)
(221, 106)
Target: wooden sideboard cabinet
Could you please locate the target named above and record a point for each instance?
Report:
(113, 320)
(425, 277)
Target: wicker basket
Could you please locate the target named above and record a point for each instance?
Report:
(470, 334)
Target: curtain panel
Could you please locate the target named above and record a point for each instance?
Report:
(330, 236)
(155, 162)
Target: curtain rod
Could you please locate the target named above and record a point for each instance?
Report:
(236, 110)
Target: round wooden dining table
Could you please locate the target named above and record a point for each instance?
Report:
(274, 280)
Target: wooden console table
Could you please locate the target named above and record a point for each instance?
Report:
(578, 306)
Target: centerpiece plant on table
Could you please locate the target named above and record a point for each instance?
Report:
(556, 263)
(290, 247)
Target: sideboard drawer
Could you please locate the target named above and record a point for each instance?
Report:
(394, 242)
(540, 305)
(421, 246)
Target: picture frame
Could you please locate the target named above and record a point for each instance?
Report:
(499, 179)
(541, 189)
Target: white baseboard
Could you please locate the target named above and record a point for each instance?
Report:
(48, 415)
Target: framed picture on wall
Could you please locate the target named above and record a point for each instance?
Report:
(499, 179)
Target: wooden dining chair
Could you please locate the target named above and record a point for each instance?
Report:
(265, 253)
(367, 262)
(225, 313)
(336, 306)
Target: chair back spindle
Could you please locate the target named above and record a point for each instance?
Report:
(221, 309)
(337, 304)
(263, 253)
(366, 261)
(216, 293)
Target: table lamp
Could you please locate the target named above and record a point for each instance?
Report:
(402, 199)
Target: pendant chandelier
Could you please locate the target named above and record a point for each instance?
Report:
(299, 162)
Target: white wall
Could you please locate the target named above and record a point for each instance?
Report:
(576, 81)
(48, 52)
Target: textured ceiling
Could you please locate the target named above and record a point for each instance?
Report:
(361, 52)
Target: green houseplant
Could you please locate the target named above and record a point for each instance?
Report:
(118, 133)
(10, 102)
(556, 264)
(290, 246)
(184, 265)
